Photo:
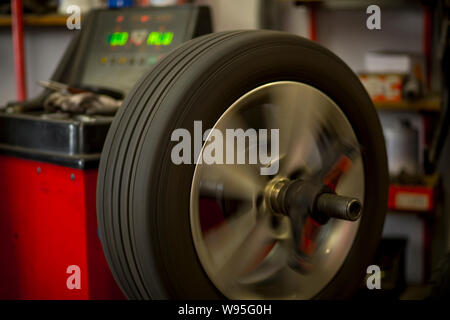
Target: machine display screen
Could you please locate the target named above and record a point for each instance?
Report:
(155, 38)
(126, 43)
(118, 39)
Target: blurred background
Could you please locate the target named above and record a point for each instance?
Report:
(399, 64)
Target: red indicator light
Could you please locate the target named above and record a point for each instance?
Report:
(145, 18)
(119, 19)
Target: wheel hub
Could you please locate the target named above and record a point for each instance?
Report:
(320, 201)
(301, 200)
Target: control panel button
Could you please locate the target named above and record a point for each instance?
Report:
(152, 60)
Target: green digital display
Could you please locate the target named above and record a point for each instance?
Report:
(159, 38)
(118, 39)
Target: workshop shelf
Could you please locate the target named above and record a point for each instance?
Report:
(431, 104)
(48, 20)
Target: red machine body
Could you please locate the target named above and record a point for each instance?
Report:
(48, 223)
(49, 158)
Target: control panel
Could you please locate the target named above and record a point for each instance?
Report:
(124, 44)
(113, 50)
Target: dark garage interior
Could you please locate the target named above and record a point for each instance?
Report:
(135, 139)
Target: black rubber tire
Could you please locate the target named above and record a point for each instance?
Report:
(143, 198)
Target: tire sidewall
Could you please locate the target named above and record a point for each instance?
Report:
(206, 88)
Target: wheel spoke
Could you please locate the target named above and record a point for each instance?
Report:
(224, 239)
(249, 254)
(241, 182)
(281, 114)
(340, 157)
(349, 183)
(270, 267)
(298, 120)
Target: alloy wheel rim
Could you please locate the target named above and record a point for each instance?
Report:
(241, 242)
